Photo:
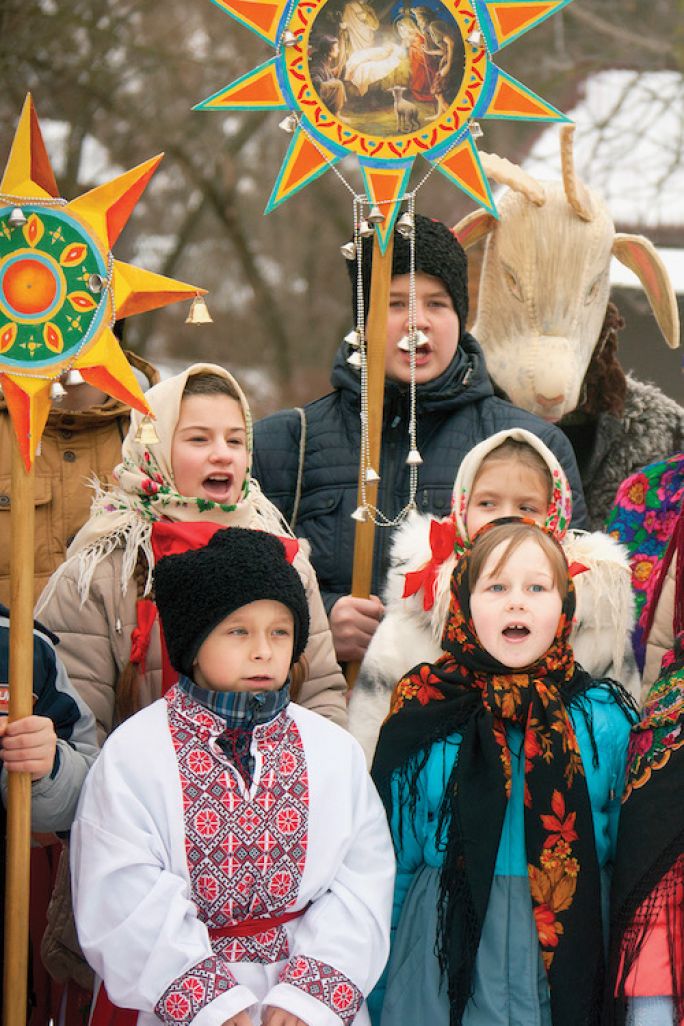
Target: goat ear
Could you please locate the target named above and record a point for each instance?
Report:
(474, 227)
(641, 256)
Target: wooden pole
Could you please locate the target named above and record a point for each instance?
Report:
(376, 335)
(20, 705)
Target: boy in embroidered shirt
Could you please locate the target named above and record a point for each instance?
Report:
(231, 860)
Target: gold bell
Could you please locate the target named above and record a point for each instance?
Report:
(198, 314)
(376, 216)
(17, 218)
(57, 391)
(146, 433)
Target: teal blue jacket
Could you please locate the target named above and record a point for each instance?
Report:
(508, 956)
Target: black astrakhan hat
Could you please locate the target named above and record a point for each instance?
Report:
(197, 589)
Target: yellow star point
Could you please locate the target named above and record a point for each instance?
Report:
(99, 217)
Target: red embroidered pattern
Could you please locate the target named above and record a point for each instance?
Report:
(245, 854)
(322, 981)
(190, 993)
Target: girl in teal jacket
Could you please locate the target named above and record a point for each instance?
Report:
(502, 767)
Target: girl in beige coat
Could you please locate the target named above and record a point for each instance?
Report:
(100, 601)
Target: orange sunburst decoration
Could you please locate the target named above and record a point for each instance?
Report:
(385, 83)
(61, 289)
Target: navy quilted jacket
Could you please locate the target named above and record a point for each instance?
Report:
(455, 411)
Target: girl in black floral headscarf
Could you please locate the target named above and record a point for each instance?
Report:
(501, 767)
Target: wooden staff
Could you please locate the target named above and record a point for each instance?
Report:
(20, 705)
(376, 336)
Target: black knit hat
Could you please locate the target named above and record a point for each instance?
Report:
(197, 589)
(438, 253)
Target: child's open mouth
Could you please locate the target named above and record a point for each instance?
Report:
(218, 487)
(516, 632)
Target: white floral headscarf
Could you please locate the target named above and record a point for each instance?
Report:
(145, 491)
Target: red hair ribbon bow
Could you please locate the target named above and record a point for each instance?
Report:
(577, 568)
(442, 540)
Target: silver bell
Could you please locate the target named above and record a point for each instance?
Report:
(354, 359)
(372, 476)
(17, 218)
(414, 459)
(289, 38)
(353, 339)
(95, 283)
(476, 130)
(474, 37)
(288, 124)
(421, 338)
(405, 225)
(74, 377)
(366, 230)
(376, 216)
(404, 344)
(348, 251)
(360, 515)
(57, 392)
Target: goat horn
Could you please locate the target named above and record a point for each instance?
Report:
(576, 192)
(506, 173)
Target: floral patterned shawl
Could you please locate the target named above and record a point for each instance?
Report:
(145, 492)
(468, 691)
(559, 513)
(449, 535)
(643, 518)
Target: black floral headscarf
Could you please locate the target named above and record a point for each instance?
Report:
(468, 691)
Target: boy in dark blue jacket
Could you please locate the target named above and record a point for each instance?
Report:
(456, 407)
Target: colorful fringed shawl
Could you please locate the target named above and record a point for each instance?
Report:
(643, 518)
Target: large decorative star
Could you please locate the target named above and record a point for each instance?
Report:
(60, 288)
(326, 93)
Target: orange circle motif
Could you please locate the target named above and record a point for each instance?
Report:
(29, 286)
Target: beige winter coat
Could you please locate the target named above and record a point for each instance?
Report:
(96, 643)
(661, 636)
(75, 445)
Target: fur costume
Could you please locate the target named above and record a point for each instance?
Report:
(547, 329)
(409, 634)
(650, 427)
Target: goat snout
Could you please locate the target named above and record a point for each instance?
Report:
(549, 401)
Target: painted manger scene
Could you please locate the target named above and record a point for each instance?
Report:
(386, 71)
